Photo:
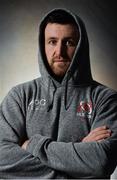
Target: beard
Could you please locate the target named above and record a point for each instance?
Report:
(59, 66)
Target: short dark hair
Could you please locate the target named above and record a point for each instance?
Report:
(60, 17)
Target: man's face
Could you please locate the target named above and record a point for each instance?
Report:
(60, 44)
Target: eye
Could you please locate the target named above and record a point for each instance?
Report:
(52, 42)
(71, 43)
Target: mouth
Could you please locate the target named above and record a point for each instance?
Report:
(61, 61)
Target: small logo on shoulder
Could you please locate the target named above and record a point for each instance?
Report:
(84, 109)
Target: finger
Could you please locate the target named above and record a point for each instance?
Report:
(102, 136)
(96, 133)
(99, 129)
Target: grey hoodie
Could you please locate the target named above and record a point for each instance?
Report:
(55, 117)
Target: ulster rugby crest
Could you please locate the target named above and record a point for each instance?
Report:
(84, 109)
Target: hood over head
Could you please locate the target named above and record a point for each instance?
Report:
(79, 72)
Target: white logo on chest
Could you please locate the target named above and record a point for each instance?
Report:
(36, 104)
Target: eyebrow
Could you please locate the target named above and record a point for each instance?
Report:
(52, 38)
(66, 38)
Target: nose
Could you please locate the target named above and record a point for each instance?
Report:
(60, 49)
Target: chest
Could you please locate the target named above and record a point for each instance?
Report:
(63, 119)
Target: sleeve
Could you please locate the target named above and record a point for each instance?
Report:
(84, 159)
(14, 161)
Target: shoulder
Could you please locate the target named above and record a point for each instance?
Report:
(102, 94)
(99, 90)
(24, 90)
(27, 87)
(29, 84)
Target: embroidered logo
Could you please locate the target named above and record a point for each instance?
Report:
(36, 104)
(84, 109)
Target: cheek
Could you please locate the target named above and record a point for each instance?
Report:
(71, 52)
(48, 52)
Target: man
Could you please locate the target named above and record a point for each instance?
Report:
(63, 124)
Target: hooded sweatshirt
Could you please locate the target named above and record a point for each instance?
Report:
(55, 117)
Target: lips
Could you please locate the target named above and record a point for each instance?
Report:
(61, 60)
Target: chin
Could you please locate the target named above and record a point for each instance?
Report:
(60, 74)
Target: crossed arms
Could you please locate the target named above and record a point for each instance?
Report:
(90, 158)
(97, 134)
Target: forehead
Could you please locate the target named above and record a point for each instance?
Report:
(61, 30)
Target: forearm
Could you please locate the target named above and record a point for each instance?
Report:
(17, 163)
(14, 161)
(79, 160)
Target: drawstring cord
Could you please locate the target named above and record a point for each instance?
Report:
(68, 100)
(65, 94)
(51, 100)
(66, 91)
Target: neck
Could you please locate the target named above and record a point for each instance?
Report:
(58, 78)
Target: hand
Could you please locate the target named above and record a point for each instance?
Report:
(24, 145)
(97, 134)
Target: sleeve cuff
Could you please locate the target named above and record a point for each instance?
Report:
(36, 143)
